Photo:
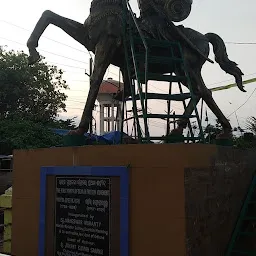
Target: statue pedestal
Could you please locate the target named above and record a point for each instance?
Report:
(173, 199)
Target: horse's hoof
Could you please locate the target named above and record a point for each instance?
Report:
(242, 88)
(33, 58)
(78, 131)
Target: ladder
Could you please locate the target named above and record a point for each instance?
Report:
(243, 238)
(139, 57)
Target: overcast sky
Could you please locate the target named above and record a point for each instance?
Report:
(233, 20)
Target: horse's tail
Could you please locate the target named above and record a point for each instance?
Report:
(222, 59)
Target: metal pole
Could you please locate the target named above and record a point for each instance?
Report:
(90, 73)
(169, 110)
(202, 104)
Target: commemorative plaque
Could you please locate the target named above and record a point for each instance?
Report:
(84, 211)
(82, 216)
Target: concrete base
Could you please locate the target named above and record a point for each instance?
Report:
(161, 208)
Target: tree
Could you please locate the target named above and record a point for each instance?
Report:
(30, 92)
(211, 131)
(30, 99)
(62, 124)
(25, 134)
(251, 124)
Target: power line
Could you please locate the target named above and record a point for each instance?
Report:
(53, 40)
(237, 43)
(229, 80)
(56, 63)
(155, 124)
(76, 101)
(243, 103)
(56, 55)
(241, 43)
(88, 62)
(9, 23)
(75, 67)
(48, 38)
(59, 55)
(108, 71)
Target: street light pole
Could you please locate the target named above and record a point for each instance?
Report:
(90, 73)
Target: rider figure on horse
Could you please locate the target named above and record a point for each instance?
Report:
(157, 16)
(164, 11)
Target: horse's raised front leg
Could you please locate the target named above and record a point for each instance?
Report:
(75, 29)
(104, 52)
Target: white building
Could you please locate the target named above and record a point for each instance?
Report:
(110, 109)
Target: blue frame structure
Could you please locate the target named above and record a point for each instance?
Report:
(103, 171)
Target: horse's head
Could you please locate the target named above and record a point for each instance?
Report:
(177, 10)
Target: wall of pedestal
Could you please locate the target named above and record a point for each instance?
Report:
(180, 195)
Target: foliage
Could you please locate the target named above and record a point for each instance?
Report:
(248, 139)
(211, 131)
(30, 99)
(245, 141)
(61, 124)
(251, 124)
(25, 134)
(33, 92)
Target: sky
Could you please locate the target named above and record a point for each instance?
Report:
(233, 20)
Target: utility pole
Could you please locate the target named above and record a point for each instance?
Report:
(169, 110)
(90, 73)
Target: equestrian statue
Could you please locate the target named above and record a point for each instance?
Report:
(103, 34)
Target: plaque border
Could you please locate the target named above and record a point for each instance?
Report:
(104, 171)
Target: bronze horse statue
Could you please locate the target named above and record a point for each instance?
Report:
(102, 33)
